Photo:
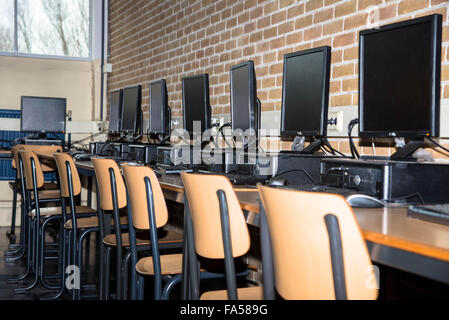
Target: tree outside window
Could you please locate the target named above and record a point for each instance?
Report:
(45, 27)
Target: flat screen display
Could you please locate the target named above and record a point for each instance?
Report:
(115, 111)
(158, 107)
(131, 108)
(41, 114)
(243, 96)
(305, 92)
(195, 92)
(400, 79)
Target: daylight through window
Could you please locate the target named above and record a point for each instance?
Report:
(45, 27)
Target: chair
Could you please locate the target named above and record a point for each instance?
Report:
(76, 226)
(148, 208)
(15, 186)
(113, 197)
(318, 249)
(31, 171)
(219, 230)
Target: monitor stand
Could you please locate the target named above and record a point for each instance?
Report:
(312, 148)
(403, 154)
(39, 136)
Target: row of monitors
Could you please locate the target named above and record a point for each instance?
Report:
(399, 83)
(399, 87)
(125, 104)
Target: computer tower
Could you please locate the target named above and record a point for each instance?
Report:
(146, 154)
(106, 149)
(296, 168)
(391, 181)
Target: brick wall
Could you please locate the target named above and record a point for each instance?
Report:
(171, 39)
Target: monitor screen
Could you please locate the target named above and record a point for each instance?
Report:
(115, 111)
(158, 107)
(131, 108)
(305, 92)
(195, 100)
(400, 79)
(243, 96)
(41, 114)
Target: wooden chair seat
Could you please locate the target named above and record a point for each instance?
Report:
(47, 186)
(170, 264)
(53, 211)
(250, 293)
(90, 222)
(169, 236)
(47, 194)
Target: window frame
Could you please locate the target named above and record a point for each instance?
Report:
(16, 53)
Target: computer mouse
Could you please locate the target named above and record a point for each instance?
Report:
(364, 201)
(275, 181)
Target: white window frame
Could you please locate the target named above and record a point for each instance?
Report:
(16, 52)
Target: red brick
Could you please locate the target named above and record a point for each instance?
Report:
(314, 4)
(312, 33)
(345, 8)
(323, 15)
(343, 70)
(407, 6)
(344, 40)
(333, 27)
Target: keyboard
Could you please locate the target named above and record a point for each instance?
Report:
(321, 188)
(171, 169)
(241, 179)
(437, 213)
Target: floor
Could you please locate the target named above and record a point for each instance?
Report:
(394, 284)
(10, 270)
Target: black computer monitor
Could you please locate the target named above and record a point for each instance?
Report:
(159, 110)
(399, 80)
(132, 113)
(244, 103)
(43, 115)
(115, 110)
(195, 101)
(305, 93)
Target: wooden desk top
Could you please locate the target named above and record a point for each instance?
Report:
(386, 226)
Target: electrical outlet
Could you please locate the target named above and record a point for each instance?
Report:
(338, 124)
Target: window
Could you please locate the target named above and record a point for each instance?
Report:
(45, 27)
(7, 25)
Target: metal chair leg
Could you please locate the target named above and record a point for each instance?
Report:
(107, 272)
(63, 263)
(125, 270)
(140, 287)
(170, 285)
(85, 235)
(28, 262)
(35, 259)
(11, 234)
(42, 258)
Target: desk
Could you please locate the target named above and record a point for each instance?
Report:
(392, 238)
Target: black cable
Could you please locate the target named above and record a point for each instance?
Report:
(416, 194)
(354, 152)
(220, 131)
(89, 137)
(437, 144)
(326, 142)
(295, 170)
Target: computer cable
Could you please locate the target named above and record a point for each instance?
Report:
(295, 170)
(354, 152)
(437, 144)
(417, 194)
(220, 132)
(334, 151)
(89, 137)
